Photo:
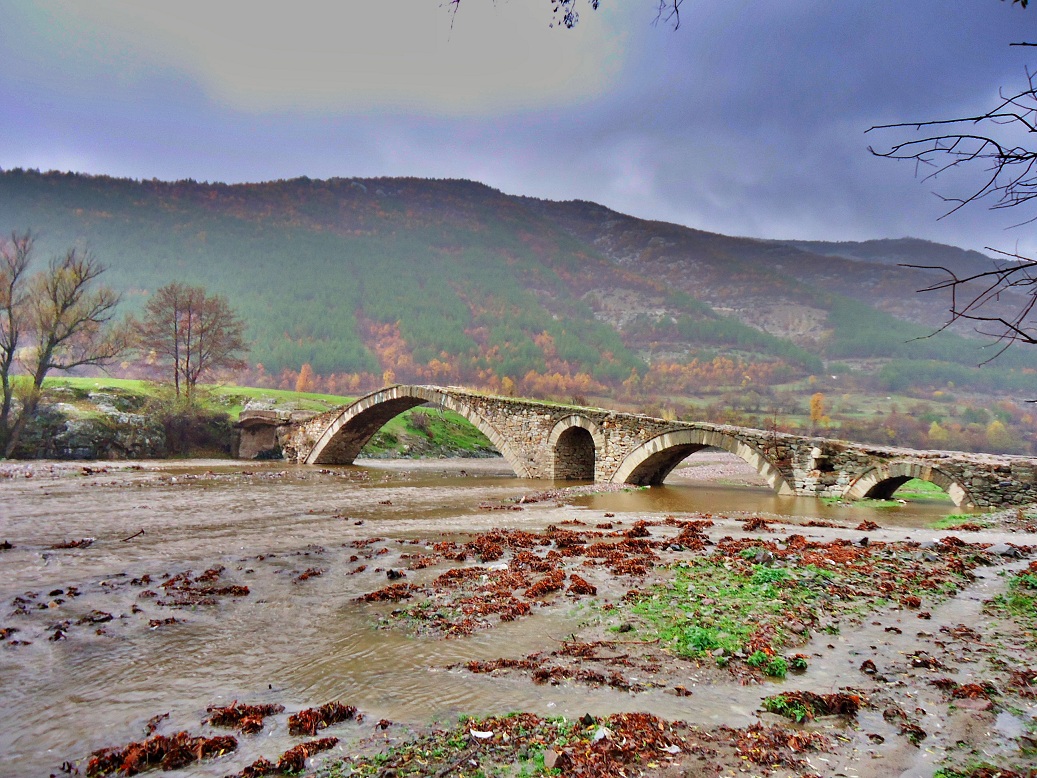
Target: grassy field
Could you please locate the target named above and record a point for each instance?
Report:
(229, 399)
(917, 490)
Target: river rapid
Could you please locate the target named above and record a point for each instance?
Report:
(89, 541)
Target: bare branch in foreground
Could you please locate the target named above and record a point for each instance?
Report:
(992, 141)
(973, 296)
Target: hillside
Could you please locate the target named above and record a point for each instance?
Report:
(902, 251)
(450, 281)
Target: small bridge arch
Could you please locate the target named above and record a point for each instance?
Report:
(653, 460)
(342, 439)
(574, 446)
(882, 481)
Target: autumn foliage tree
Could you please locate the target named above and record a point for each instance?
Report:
(305, 382)
(55, 319)
(192, 333)
(817, 409)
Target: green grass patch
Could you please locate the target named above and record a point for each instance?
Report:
(982, 769)
(1019, 602)
(917, 490)
(788, 707)
(774, 666)
(215, 397)
(422, 431)
(708, 607)
(515, 746)
(958, 519)
(232, 399)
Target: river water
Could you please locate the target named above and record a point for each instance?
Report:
(290, 641)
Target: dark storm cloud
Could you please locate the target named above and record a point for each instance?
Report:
(749, 119)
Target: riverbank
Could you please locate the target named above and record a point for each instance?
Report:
(115, 419)
(418, 592)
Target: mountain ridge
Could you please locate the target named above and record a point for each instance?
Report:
(454, 280)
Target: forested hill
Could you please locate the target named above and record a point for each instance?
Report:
(455, 282)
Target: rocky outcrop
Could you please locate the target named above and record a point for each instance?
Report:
(64, 431)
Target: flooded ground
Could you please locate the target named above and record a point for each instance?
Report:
(98, 642)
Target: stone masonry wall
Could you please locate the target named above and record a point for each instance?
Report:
(522, 430)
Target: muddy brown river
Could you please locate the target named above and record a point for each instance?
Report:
(73, 681)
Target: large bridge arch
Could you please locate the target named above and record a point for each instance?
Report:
(341, 441)
(656, 458)
(574, 446)
(880, 482)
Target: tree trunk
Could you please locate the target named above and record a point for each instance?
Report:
(28, 412)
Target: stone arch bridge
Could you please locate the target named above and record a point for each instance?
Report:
(564, 442)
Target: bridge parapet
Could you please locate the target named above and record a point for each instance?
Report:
(547, 440)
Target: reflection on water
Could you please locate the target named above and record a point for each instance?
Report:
(709, 498)
(298, 644)
(714, 481)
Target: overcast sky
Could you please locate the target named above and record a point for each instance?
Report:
(749, 119)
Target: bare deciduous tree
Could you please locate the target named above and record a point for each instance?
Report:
(53, 320)
(15, 255)
(193, 333)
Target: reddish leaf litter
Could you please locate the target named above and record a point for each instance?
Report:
(463, 599)
(1023, 682)
(877, 570)
(975, 696)
(394, 593)
(776, 746)
(562, 665)
(621, 745)
(185, 591)
(896, 715)
(248, 719)
(419, 561)
(556, 674)
(82, 543)
(291, 762)
(179, 750)
(963, 632)
(552, 582)
(580, 587)
(312, 572)
(158, 752)
(756, 524)
(153, 722)
(307, 722)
